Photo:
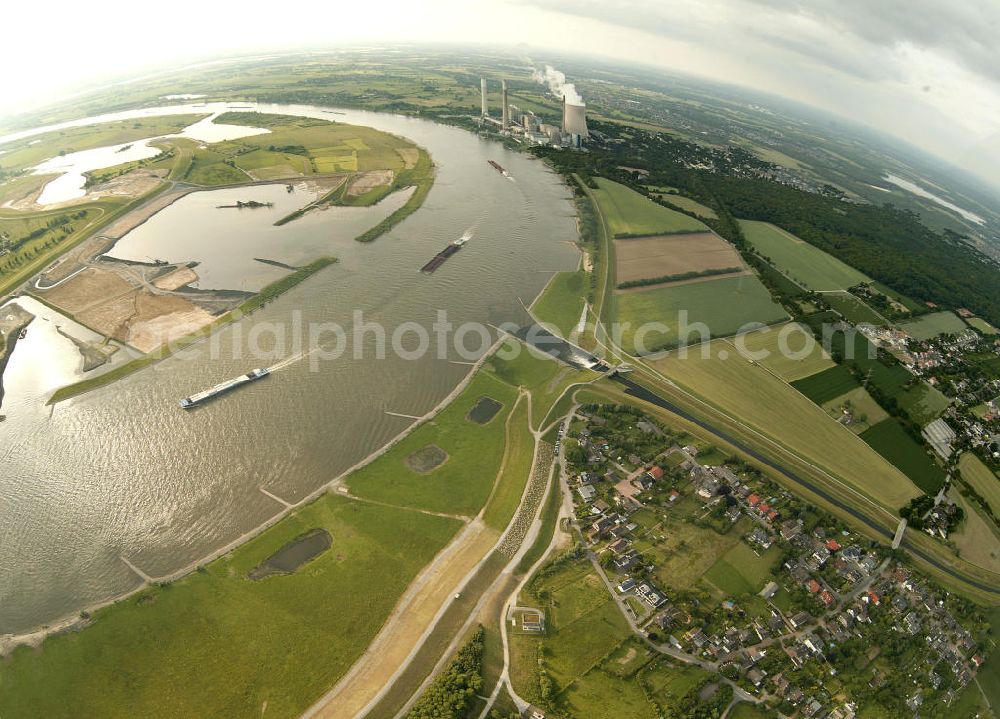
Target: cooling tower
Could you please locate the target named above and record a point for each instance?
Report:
(482, 89)
(574, 119)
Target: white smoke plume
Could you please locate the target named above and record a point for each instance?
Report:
(556, 81)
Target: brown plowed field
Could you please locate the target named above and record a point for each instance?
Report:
(644, 258)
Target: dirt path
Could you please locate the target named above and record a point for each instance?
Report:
(407, 626)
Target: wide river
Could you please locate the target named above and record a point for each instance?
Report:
(122, 472)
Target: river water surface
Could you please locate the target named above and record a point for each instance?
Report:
(123, 472)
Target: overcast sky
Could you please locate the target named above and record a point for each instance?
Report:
(927, 71)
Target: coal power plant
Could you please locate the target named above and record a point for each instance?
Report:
(525, 126)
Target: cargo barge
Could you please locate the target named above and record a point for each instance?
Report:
(199, 397)
(499, 168)
(438, 259)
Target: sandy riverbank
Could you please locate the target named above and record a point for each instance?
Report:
(13, 319)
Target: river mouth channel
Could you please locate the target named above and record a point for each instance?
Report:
(122, 473)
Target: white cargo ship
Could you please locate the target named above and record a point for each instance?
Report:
(199, 397)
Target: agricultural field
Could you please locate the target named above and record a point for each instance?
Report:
(923, 402)
(674, 257)
(774, 409)
(920, 400)
(890, 440)
(807, 265)
(982, 325)
(977, 538)
(930, 326)
(172, 650)
(978, 476)
(629, 213)
(461, 484)
(853, 309)
(561, 303)
(724, 306)
(296, 147)
(865, 412)
(788, 350)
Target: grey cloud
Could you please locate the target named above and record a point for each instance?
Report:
(860, 31)
(965, 31)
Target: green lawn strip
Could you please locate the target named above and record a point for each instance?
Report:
(421, 177)
(561, 303)
(463, 482)
(174, 650)
(266, 294)
(515, 469)
(890, 440)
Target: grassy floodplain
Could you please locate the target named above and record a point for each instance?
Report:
(772, 408)
(629, 213)
(561, 303)
(544, 377)
(932, 325)
(809, 266)
(463, 482)
(724, 306)
(173, 650)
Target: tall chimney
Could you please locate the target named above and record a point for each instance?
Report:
(482, 89)
(506, 107)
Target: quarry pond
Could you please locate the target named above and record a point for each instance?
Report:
(96, 495)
